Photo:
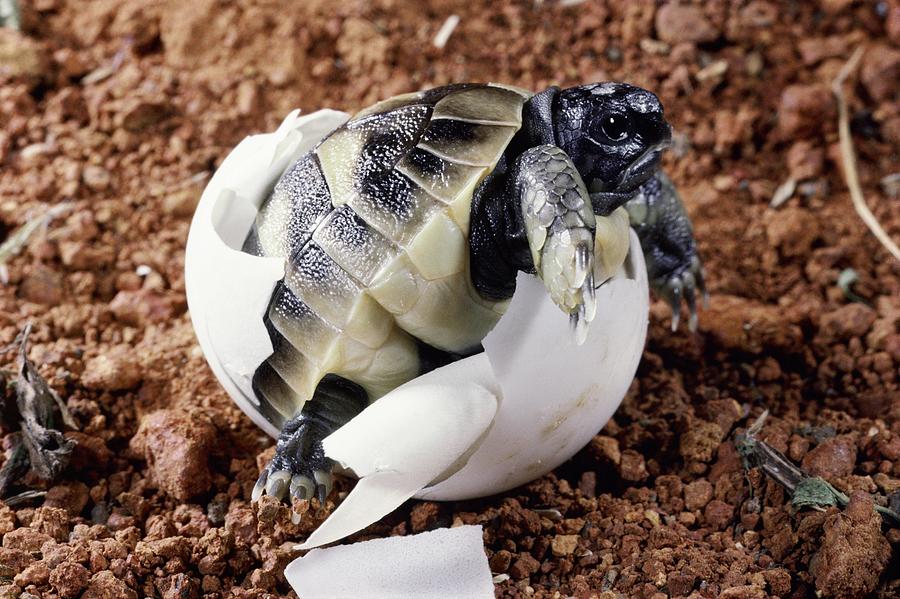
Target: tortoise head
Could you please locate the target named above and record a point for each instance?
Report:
(614, 133)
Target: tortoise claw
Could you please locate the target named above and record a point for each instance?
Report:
(260, 486)
(579, 325)
(674, 289)
(685, 284)
(323, 484)
(277, 485)
(302, 487)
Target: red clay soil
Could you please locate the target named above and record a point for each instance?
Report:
(121, 110)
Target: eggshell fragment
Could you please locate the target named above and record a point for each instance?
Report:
(448, 562)
(400, 446)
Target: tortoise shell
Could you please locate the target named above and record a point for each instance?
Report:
(374, 227)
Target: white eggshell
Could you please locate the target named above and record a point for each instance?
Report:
(447, 562)
(228, 290)
(476, 427)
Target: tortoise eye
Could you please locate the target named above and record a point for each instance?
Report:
(614, 126)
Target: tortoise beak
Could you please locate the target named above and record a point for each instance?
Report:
(641, 169)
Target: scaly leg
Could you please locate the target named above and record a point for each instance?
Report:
(559, 224)
(300, 467)
(673, 266)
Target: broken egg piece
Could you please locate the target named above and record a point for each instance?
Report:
(476, 427)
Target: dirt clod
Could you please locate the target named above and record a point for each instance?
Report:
(677, 23)
(115, 370)
(176, 446)
(805, 110)
(834, 458)
(69, 579)
(854, 552)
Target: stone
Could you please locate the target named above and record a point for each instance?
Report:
(677, 23)
(26, 539)
(22, 58)
(563, 545)
(524, 566)
(142, 307)
(70, 496)
(424, 515)
(139, 114)
(105, 585)
(116, 369)
(42, 285)
(500, 561)
(805, 160)
(853, 551)
(697, 494)
(880, 72)
(632, 467)
(718, 514)
(749, 326)
(833, 458)
(96, 177)
(176, 445)
(805, 110)
(851, 320)
(700, 441)
(69, 579)
(36, 574)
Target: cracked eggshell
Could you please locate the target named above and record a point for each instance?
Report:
(447, 562)
(228, 290)
(480, 426)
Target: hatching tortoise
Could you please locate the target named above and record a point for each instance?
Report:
(403, 232)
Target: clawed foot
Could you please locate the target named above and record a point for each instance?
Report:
(559, 223)
(684, 283)
(567, 269)
(299, 470)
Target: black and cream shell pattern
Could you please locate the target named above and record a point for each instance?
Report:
(373, 225)
(478, 426)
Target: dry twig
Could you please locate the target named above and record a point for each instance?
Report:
(848, 157)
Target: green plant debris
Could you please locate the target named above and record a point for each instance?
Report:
(807, 492)
(815, 492)
(845, 282)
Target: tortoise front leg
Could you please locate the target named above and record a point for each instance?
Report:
(673, 266)
(559, 224)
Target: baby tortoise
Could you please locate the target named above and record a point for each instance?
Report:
(403, 232)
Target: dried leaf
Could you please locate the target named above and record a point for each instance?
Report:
(16, 465)
(38, 405)
(39, 446)
(19, 238)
